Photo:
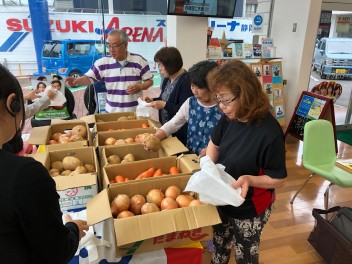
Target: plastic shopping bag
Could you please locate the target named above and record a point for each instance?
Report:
(213, 184)
(144, 110)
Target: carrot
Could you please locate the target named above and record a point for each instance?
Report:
(173, 170)
(146, 174)
(144, 125)
(112, 181)
(119, 178)
(127, 179)
(157, 173)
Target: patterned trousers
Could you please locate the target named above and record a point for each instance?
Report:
(246, 235)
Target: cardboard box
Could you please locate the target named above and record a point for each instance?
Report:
(143, 233)
(106, 117)
(118, 125)
(42, 135)
(186, 164)
(169, 147)
(75, 191)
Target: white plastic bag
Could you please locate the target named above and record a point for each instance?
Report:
(144, 110)
(213, 184)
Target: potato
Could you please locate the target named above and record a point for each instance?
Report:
(125, 161)
(56, 136)
(73, 173)
(89, 167)
(131, 117)
(75, 138)
(57, 165)
(66, 172)
(54, 172)
(114, 159)
(129, 140)
(81, 170)
(152, 143)
(71, 163)
(130, 157)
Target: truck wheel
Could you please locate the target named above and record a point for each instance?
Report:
(322, 75)
(313, 67)
(75, 74)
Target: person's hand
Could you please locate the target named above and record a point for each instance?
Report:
(32, 95)
(70, 81)
(134, 88)
(82, 225)
(147, 99)
(243, 182)
(203, 152)
(159, 104)
(51, 94)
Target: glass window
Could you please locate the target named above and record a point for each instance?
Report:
(52, 50)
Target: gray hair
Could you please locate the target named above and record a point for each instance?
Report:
(123, 35)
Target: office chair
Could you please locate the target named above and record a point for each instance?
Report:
(319, 156)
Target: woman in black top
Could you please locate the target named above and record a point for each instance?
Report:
(31, 227)
(249, 142)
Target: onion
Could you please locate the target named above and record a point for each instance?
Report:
(124, 214)
(195, 202)
(63, 140)
(183, 200)
(137, 202)
(122, 202)
(173, 191)
(155, 196)
(56, 136)
(129, 140)
(168, 203)
(51, 142)
(110, 141)
(120, 142)
(148, 208)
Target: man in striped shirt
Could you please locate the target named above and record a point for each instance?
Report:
(125, 74)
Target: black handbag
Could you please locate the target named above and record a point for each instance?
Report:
(332, 238)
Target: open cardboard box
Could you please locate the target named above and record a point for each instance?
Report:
(186, 164)
(121, 125)
(106, 117)
(169, 147)
(143, 233)
(76, 190)
(42, 135)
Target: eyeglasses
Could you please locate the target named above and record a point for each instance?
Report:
(113, 46)
(224, 102)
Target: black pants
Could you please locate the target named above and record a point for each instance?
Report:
(246, 235)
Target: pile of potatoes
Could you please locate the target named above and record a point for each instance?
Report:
(115, 159)
(69, 166)
(148, 139)
(78, 133)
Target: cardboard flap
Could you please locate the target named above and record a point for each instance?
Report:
(40, 156)
(70, 145)
(98, 208)
(62, 121)
(189, 163)
(89, 119)
(143, 227)
(37, 135)
(75, 181)
(172, 146)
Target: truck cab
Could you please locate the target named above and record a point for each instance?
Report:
(70, 57)
(333, 58)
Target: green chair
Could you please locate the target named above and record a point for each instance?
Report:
(319, 156)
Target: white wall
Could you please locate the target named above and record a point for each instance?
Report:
(295, 48)
(189, 35)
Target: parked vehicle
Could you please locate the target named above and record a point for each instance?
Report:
(333, 58)
(70, 57)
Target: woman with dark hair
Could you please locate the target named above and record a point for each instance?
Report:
(175, 88)
(199, 112)
(250, 143)
(31, 227)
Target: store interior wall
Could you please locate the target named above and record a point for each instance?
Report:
(295, 47)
